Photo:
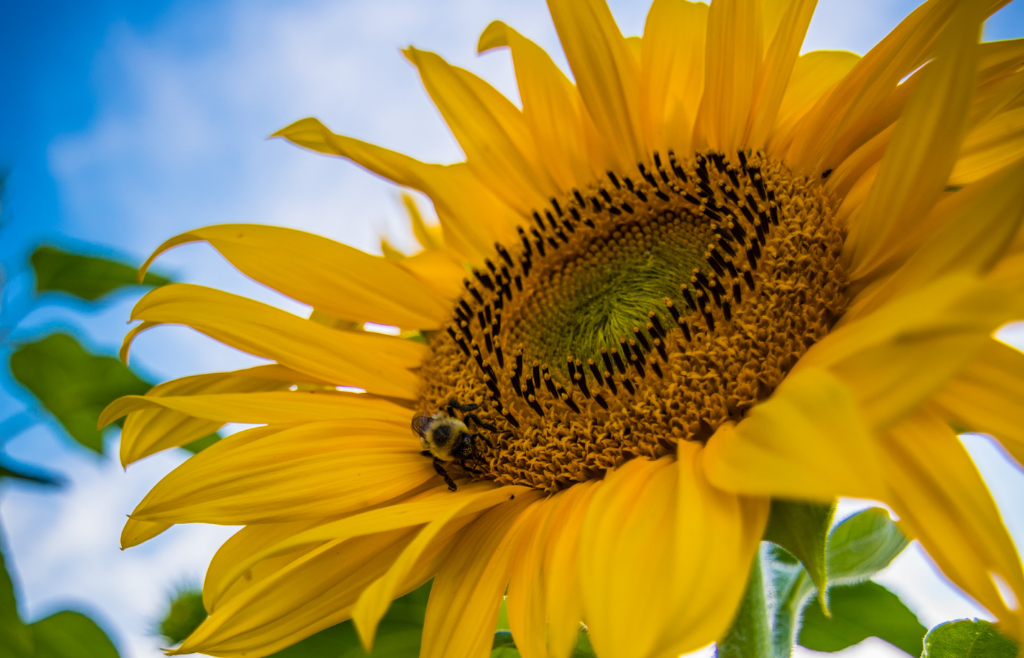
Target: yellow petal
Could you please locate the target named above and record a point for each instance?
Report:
(808, 441)
(564, 603)
(222, 582)
(626, 556)
(552, 108)
(464, 599)
(734, 51)
(995, 89)
(375, 362)
(859, 169)
(814, 74)
(942, 501)
(775, 71)
(925, 144)
(417, 509)
(958, 301)
(138, 532)
(525, 601)
(606, 75)
(974, 232)
(439, 271)
(868, 86)
(309, 471)
(664, 557)
(272, 407)
(375, 599)
(307, 595)
(988, 396)
(458, 195)
(543, 601)
(491, 130)
(429, 237)
(992, 146)
(717, 535)
(894, 359)
(150, 430)
(672, 73)
(329, 276)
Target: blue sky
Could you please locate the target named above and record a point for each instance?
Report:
(125, 123)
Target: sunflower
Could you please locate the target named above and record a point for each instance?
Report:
(709, 272)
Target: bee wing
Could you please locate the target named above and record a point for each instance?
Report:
(420, 424)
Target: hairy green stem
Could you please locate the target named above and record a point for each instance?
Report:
(750, 635)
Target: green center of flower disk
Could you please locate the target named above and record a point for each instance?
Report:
(642, 311)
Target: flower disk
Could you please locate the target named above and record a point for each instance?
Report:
(640, 313)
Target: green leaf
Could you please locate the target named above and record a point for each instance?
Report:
(858, 547)
(202, 444)
(73, 384)
(583, 648)
(11, 469)
(87, 277)
(750, 633)
(503, 616)
(183, 616)
(802, 529)
(863, 545)
(860, 611)
(966, 638)
(503, 639)
(15, 637)
(505, 652)
(398, 635)
(71, 635)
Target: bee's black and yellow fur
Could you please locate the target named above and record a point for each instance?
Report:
(446, 438)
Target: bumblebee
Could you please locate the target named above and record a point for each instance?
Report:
(446, 438)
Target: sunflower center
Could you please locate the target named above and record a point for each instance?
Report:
(638, 313)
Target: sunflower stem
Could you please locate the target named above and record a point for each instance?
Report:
(751, 634)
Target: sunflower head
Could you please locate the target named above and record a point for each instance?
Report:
(643, 310)
(704, 273)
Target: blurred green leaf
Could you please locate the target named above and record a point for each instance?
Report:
(967, 638)
(398, 635)
(503, 639)
(71, 635)
(583, 648)
(505, 651)
(858, 612)
(15, 637)
(503, 615)
(802, 529)
(10, 469)
(202, 444)
(863, 545)
(505, 647)
(73, 384)
(184, 615)
(87, 277)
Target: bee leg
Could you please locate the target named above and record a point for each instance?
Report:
(487, 441)
(443, 473)
(453, 403)
(426, 453)
(468, 468)
(480, 423)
